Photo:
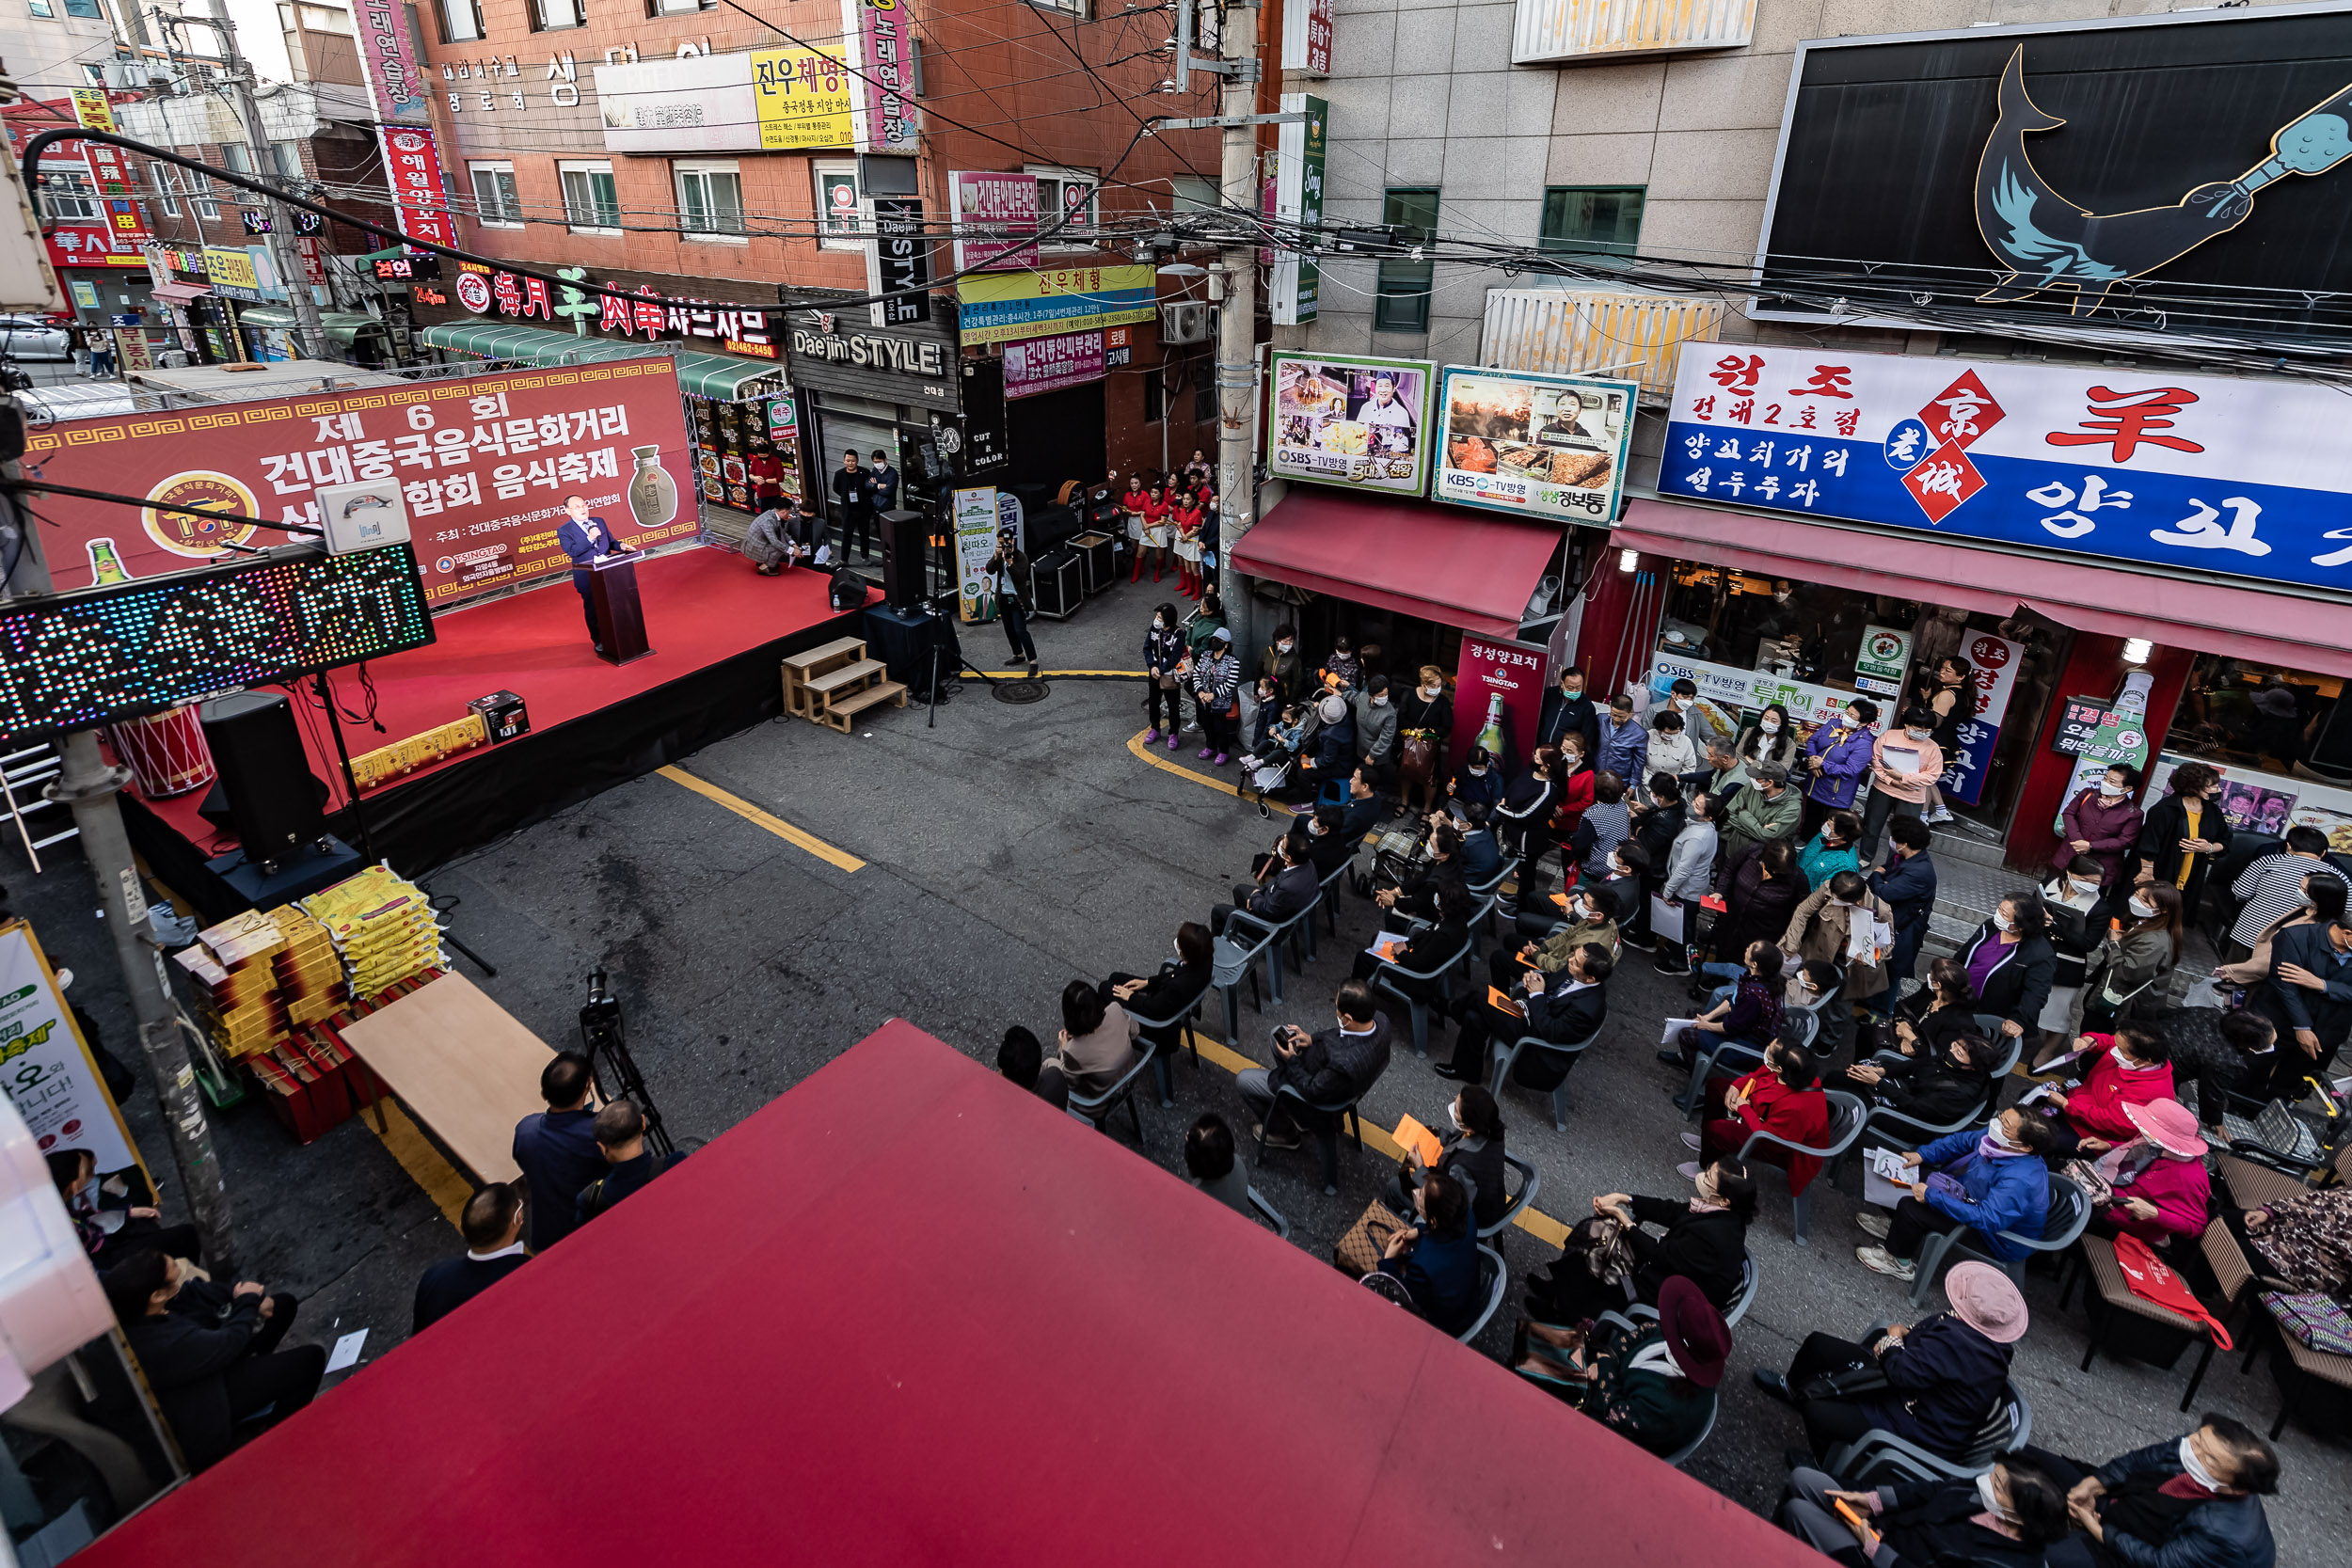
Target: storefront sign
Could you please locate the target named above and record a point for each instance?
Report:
(803, 98)
(2268, 803)
(412, 159)
(1297, 279)
(85, 294)
(902, 258)
(93, 111)
(1994, 661)
(130, 349)
(995, 220)
(230, 269)
(902, 367)
(1050, 364)
(1542, 446)
(976, 541)
(2094, 731)
(387, 57)
(1003, 307)
(1340, 421)
(1879, 666)
(1307, 37)
(1498, 695)
(485, 464)
(99, 221)
(1738, 695)
(2202, 473)
(46, 1066)
(889, 100)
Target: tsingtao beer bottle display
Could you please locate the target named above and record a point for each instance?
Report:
(1491, 736)
(105, 566)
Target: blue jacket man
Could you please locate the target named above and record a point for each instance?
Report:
(1839, 754)
(1624, 748)
(584, 538)
(2011, 1193)
(1908, 884)
(882, 483)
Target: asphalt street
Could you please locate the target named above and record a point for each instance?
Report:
(1005, 851)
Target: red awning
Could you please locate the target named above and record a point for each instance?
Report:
(1447, 564)
(180, 293)
(2243, 623)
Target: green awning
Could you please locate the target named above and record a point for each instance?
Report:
(344, 326)
(704, 376)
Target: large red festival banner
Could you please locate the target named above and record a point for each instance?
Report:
(485, 463)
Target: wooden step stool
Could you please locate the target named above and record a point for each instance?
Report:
(833, 684)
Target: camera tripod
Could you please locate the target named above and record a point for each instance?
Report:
(615, 1070)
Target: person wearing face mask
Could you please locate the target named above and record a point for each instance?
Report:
(1430, 948)
(1376, 731)
(2103, 822)
(1760, 893)
(1935, 1084)
(1705, 1242)
(2009, 963)
(1835, 759)
(1171, 991)
(1656, 1388)
(1469, 1152)
(1903, 762)
(2134, 962)
(1847, 926)
(1764, 809)
(2131, 1066)
(1690, 875)
(1477, 789)
(1939, 1012)
(1671, 749)
(1340, 669)
(1771, 738)
(1623, 743)
(2225, 1057)
(1831, 848)
(1569, 711)
(1610, 820)
(2008, 1517)
(1526, 807)
(211, 1353)
(1907, 883)
(1588, 924)
(1656, 823)
(1781, 1097)
(1948, 690)
(1989, 1181)
(2159, 1186)
(2184, 833)
(1749, 1014)
(2195, 1502)
(1700, 721)
(2308, 997)
(1618, 890)
(1163, 655)
(1425, 720)
(2072, 900)
(1281, 660)
(2274, 885)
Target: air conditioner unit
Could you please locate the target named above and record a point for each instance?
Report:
(1184, 322)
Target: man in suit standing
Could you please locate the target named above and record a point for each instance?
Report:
(850, 487)
(584, 538)
(621, 1139)
(1286, 884)
(492, 1224)
(1330, 1066)
(2308, 997)
(556, 1148)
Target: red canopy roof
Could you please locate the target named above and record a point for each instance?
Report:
(1444, 563)
(910, 1314)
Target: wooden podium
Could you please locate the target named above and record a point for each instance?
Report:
(620, 622)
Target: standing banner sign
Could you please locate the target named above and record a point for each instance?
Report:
(485, 464)
(46, 1066)
(1994, 659)
(1497, 685)
(1297, 281)
(1880, 663)
(976, 541)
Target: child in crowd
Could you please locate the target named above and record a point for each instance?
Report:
(1342, 670)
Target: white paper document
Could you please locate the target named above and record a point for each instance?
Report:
(346, 1351)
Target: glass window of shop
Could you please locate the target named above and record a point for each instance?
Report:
(738, 447)
(2240, 716)
(1814, 646)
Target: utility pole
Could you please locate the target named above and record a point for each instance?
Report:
(311, 331)
(1237, 271)
(88, 787)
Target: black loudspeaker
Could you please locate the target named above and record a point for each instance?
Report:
(902, 558)
(273, 799)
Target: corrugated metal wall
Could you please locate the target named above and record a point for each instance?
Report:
(1556, 30)
(1570, 330)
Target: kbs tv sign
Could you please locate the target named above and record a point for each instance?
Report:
(485, 464)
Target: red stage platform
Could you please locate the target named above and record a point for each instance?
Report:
(908, 1314)
(712, 621)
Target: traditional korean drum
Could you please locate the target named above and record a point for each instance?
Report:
(165, 752)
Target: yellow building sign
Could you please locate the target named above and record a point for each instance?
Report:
(804, 98)
(230, 268)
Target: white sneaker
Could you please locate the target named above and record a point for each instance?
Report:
(1878, 1260)
(1939, 816)
(1875, 1223)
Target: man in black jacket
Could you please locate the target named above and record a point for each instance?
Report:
(2222, 1053)
(2309, 996)
(1430, 948)
(621, 1139)
(1655, 828)
(556, 1148)
(1907, 883)
(1561, 1008)
(1362, 810)
(492, 1224)
(855, 497)
(2197, 1498)
(1569, 711)
(1326, 850)
(211, 1356)
(1286, 884)
(1335, 1065)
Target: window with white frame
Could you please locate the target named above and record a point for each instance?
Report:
(200, 189)
(675, 8)
(840, 213)
(70, 197)
(1066, 191)
(288, 157)
(710, 200)
(1076, 7)
(235, 158)
(167, 188)
(590, 201)
(42, 7)
(496, 202)
(461, 20)
(550, 16)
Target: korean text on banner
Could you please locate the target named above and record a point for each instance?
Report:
(1498, 686)
(883, 35)
(1542, 446)
(1006, 307)
(2199, 473)
(976, 541)
(1341, 420)
(803, 98)
(1297, 280)
(1050, 364)
(995, 218)
(92, 109)
(44, 1063)
(485, 464)
(413, 161)
(1992, 662)
(387, 55)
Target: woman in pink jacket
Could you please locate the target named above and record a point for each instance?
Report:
(2160, 1182)
(2103, 822)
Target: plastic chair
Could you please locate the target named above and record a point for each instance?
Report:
(1494, 1276)
(1322, 1128)
(1846, 1116)
(1231, 964)
(1530, 1181)
(1639, 1323)
(1094, 1110)
(1384, 981)
(1273, 1215)
(1879, 1454)
(1989, 1025)
(1327, 892)
(2069, 1212)
(1565, 1056)
(1282, 938)
(1740, 1304)
(1730, 1058)
(1806, 1032)
(1163, 1071)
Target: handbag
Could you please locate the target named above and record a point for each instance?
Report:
(1359, 1252)
(1168, 681)
(1416, 759)
(2313, 1320)
(1845, 1384)
(1598, 1242)
(2084, 1174)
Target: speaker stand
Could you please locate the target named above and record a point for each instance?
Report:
(342, 755)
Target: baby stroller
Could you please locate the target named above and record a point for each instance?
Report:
(1272, 777)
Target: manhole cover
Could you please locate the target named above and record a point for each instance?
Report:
(1020, 691)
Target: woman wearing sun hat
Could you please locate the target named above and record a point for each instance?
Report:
(1656, 1388)
(2160, 1182)
(1944, 1374)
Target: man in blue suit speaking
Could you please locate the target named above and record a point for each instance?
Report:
(584, 538)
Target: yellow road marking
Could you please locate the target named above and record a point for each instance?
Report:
(441, 1181)
(1049, 675)
(1137, 747)
(775, 825)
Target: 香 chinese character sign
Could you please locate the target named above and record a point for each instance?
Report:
(2203, 473)
(485, 464)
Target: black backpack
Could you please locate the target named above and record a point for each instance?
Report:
(848, 590)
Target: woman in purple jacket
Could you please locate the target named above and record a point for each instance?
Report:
(2103, 822)
(1834, 760)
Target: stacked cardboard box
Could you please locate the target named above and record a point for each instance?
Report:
(262, 977)
(381, 924)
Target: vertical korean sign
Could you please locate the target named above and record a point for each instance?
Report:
(996, 219)
(44, 1066)
(1306, 35)
(412, 156)
(976, 541)
(1994, 661)
(1497, 684)
(886, 96)
(1298, 200)
(902, 258)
